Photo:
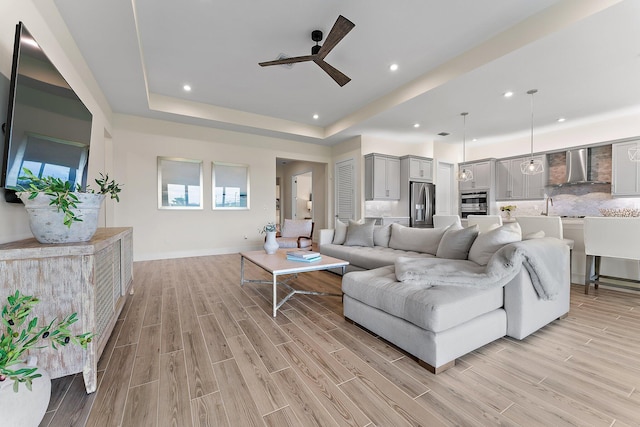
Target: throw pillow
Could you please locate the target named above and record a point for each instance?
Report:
(455, 244)
(381, 235)
(340, 233)
(488, 243)
(359, 234)
(535, 235)
(425, 240)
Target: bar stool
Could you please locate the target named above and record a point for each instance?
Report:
(440, 221)
(609, 237)
(552, 227)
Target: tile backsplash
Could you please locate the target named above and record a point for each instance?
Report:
(588, 203)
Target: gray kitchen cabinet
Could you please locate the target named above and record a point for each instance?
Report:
(512, 184)
(625, 173)
(482, 175)
(420, 168)
(382, 177)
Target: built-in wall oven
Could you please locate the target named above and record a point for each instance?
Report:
(474, 203)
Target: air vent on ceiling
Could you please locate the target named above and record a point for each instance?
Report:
(444, 134)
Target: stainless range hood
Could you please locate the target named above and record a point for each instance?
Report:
(578, 167)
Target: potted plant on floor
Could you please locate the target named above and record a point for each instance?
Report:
(25, 406)
(54, 206)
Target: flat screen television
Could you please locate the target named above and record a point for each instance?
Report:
(48, 128)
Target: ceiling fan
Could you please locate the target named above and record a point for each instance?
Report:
(339, 30)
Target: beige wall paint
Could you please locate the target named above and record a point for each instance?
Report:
(175, 233)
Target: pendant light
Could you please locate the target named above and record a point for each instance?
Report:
(532, 166)
(464, 174)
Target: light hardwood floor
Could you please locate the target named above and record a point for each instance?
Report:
(192, 347)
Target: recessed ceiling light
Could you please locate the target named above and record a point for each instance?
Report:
(416, 125)
(186, 88)
(474, 139)
(315, 117)
(393, 67)
(508, 94)
(561, 119)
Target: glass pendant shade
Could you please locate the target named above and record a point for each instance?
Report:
(634, 154)
(532, 166)
(464, 174)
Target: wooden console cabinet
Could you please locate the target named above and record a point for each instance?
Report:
(90, 278)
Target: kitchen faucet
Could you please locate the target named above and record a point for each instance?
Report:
(547, 199)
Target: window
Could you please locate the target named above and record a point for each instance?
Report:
(179, 183)
(230, 183)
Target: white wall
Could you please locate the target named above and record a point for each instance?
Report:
(176, 233)
(561, 135)
(45, 24)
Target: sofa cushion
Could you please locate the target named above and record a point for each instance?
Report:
(359, 234)
(416, 239)
(436, 308)
(340, 233)
(455, 244)
(381, 235)
(378, 256)
(535, 235)
(339, 251)
(488, 243)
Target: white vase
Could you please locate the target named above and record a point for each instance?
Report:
(46, 222)
(26, 408)
(270, 244)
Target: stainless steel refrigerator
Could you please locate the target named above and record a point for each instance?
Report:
(422, 199)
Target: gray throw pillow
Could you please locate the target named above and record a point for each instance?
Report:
(425, 240)
(486, 244)
(455, 244)
(359, 234)
(340, 233)
(381, 235)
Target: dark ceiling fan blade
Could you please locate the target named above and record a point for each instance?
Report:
(335, 74)
(340, 29)
(292, 60)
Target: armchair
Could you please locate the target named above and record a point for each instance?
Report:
(296, 233)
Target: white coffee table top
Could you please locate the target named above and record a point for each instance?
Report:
(279, 264)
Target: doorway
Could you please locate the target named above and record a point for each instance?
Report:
(302, 196)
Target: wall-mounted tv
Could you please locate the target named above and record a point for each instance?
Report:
(48, 128)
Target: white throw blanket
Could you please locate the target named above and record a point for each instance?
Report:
(543, 258)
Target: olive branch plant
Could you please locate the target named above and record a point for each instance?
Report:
(18, 338)
(62, 193)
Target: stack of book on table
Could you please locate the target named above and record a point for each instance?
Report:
(303, 256)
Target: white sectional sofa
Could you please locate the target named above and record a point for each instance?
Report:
(441, 293)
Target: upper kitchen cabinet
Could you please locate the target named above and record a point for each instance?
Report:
(512, 184)
(382, 177)
(420, 168)
(483, 175)
(625, 173)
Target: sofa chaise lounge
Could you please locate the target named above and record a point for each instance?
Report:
(441, 293)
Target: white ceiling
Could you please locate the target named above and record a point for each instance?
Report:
(455, 55)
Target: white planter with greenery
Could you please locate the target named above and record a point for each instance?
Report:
(25, 407)
(60, 213)
(47, 222)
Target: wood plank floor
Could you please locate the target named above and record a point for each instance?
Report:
(194, 348)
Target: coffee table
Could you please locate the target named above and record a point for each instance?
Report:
(278, 265)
